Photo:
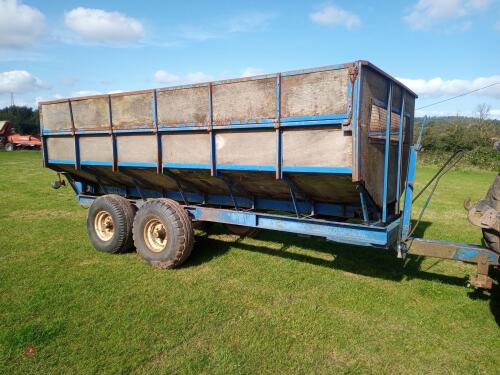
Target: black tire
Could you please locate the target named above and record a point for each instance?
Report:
(10, 147)
(163, 233)
(109, 224)
(241, 230)
(129, 211)
(492, 236)
(188, 225)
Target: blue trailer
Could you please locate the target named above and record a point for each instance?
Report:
(327, 152)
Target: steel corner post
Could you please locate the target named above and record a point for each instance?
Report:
(409, 188)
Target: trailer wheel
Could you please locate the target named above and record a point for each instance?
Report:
(163, 233)
(492, 236)
(241, 230)
(129, 211)
(10, 147)
(109, 224)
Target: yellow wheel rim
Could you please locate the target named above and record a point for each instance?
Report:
(155, 235)
(104, 226)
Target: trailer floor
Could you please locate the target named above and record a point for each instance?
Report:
(276, 304)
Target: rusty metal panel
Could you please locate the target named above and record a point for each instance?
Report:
(183, 106)
(56, 116)
(246, 147)
(244, 100)
(137, 148)
(98, 148)
(92, 113)
(61, 148)
(317, 147)
(314, 94)
(186, 148)
(132, 110)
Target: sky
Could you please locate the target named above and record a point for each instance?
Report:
(58, 49)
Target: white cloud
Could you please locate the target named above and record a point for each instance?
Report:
(494, 113)
(93, 92)
(39, 99)
(426, 13)
(248, 72)
(20, 25)
(97, 25)
(86, 93)
(250, 21)
(162, 76)
(241, 23)
(70, 81)
(195, 33)
(20, 81)
(478, 4)
(438, 87)
(332, 15)
(197, 77)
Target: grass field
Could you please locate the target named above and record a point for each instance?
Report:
(276, 304)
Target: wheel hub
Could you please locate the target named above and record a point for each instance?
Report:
(104, 226)
(155, 235)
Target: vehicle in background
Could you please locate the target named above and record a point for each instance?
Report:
(10, 139)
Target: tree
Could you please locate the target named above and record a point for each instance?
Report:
(24, 119)
(483, 111)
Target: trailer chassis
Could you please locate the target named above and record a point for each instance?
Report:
(395, 235)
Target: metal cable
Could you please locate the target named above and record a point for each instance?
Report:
(458, 96)
(461, 152)
(437, 177)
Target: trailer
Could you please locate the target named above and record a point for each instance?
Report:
(326, 152)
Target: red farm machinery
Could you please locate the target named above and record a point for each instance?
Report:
(11, 140)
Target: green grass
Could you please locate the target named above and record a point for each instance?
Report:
(276, 304)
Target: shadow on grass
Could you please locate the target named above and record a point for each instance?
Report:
(366, 261)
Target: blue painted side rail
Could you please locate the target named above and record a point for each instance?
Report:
(364, 235)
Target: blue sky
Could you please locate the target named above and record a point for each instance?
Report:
(440, 48)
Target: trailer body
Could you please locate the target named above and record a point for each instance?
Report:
(299, 151)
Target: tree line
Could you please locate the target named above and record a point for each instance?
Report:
(446, 135)
(24, 119)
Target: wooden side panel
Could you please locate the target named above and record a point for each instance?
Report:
(56, 116)
(314, 94)
(183, 106)
(186, 148)
(317, 147)
(98, 148)
(61, 148)
(92, 113)
(246, 147)
(132, 110)
(244, 100)
(137, 148)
